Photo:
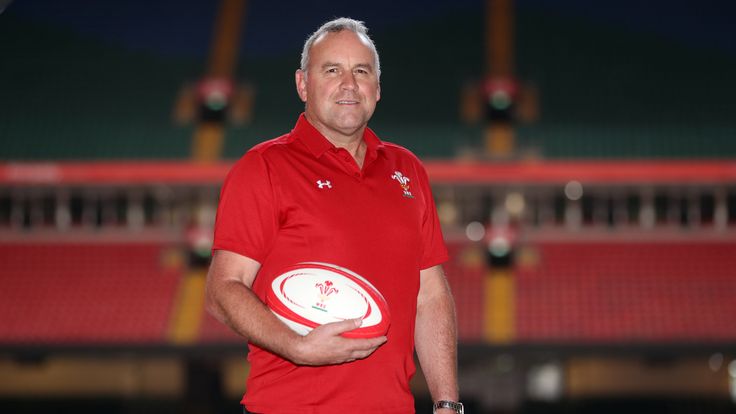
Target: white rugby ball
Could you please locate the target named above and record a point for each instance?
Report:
(310, 294)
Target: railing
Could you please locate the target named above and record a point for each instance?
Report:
(132, 196)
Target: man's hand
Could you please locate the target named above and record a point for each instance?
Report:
(324, 345)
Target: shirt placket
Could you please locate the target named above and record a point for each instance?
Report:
(347, 163)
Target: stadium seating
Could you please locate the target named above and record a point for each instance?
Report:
(628, 292)
(82, 293)
(571, 293)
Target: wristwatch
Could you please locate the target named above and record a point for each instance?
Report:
(455, 406)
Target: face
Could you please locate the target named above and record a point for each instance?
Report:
(341, 87)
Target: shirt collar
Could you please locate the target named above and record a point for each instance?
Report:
(318, 144)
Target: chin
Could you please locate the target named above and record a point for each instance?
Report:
(352, 122)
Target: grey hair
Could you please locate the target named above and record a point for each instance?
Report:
(338, 25)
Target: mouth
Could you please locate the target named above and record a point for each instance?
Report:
(347, 102)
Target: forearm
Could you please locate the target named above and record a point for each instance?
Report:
(235, 305)
(436, 343)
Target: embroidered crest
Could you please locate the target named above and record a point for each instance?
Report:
(324, 184)
(404, 182)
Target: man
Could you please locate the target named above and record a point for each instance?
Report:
(331, 191)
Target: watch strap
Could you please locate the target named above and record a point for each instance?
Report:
(453, 405)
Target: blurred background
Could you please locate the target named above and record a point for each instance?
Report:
(582, 154)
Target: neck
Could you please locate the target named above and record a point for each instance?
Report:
(352, 143)
(356, 148)
(353, 146)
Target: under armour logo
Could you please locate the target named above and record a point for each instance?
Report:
(323, 184)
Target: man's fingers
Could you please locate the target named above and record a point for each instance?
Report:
(336, 328)
(367, 346)
(378, 341)
(362, 348)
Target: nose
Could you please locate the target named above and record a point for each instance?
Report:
(348, 81)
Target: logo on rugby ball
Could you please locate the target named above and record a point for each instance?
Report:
(325, 290)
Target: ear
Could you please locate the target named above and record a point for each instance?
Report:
(301, 84)
(378, 92)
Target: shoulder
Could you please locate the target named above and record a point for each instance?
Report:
(267, 151)
(271, 146)
(257, 160)
(399, 152)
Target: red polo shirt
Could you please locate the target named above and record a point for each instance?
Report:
(299, 198)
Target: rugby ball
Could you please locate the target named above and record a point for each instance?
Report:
(310, 294)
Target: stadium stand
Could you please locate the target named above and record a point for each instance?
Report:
(599, 271)
(627, 292)
(102, 101)
(76, 293)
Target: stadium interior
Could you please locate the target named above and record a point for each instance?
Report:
(582, 157)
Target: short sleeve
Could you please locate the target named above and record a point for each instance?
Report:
(247, 214)
(434, 249)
